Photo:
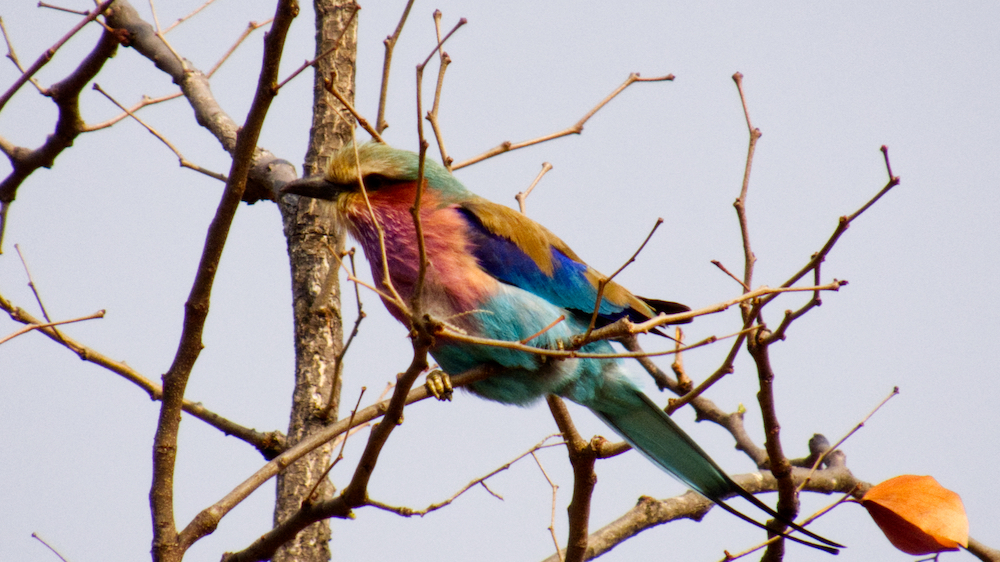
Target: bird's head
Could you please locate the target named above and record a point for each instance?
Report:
(381, 167)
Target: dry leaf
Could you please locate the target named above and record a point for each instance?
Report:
(917, 515)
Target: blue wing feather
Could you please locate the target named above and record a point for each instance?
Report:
(569, 285)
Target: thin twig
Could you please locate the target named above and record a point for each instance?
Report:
(842, 225)
(555, 496)
(741, 202)
(269, 444)
(146, 100)
(251, 27)
(387, 278)
(162, 36)
(416, 297)
(683, 381)
(30, 327)
(522, 196)
(13, 55)
(725, 369)
(184, 162)
(826, 453)
(308, 63)
(576, 129)
(718, 264)
(390, 44)
(62, 9)
(48, 546)
(545, 329)
(332, 88)
(432, 115)
(893, 182)
(50, 52)
(189, 16)
(602, 283)
(339, 359)
(340, 456)
(31, 285)
(445, 332)
(481, 481)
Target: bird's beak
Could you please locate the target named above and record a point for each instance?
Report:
(313, 186)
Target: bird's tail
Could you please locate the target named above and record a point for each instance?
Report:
(651, 431)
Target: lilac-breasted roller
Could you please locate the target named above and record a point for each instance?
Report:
(495, 273)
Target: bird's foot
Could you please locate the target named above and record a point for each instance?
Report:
(438, 383)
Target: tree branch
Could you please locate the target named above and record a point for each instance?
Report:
(576, 129)
(650, 512)
(167, 544)
(69, 124)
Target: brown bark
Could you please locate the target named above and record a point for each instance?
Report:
(309, 227)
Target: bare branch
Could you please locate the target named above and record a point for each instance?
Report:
(741, 203)
(718, 264)
(522, 196)
(390, 44)
(582, 457)
(481, 481)
(31, 284)
(184, 162)
(678, 365)
(49, 53)
(331, 87)
(62, 9)
(624, 327)
(842, 225)
(339, 360)
(432, 115)
(777, 461)
(13, 56)
(310, 497)
(602, 283)
(650, 512)
(819, 458)
(182, 19)
(146, 100)
(48, 546)
(576, 129)
(415, 299)
(251, 27)
(30, 327)
(269, 444)
(162, 36)
(354, 495)
(167, 542)
(66, 94)
(555, 495)
(328, 52)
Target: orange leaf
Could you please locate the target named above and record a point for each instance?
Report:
(917, 515)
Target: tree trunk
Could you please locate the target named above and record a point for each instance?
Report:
(309, 227)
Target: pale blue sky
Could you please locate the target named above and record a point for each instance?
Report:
(117, 225)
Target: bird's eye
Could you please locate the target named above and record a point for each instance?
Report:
(375, 182)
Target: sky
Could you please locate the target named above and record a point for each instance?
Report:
(117, 225)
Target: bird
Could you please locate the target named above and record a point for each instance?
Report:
(492, 272)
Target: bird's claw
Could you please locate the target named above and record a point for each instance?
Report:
(438, 383)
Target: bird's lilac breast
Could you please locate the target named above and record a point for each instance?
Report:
(454, 283)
